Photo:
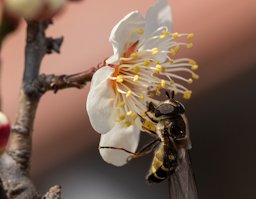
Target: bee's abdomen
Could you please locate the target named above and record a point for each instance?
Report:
(159, 171)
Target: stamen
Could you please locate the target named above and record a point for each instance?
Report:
(121, 117)
(154, 51)
(146, 62)
(164, 34)
(134, 55)
(190, 36)
(175, 35)
(140, 31)
(190, 81)
(119, 78)
(194, 67)
(121, 104)
(136, 69)
(190, 45)
(158, 68)
(163, 83)
(187, 94)
(129, 113)
(195, 76)
(127, 123)
(128, 94)
(135, 78)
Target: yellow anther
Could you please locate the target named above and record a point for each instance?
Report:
(121, 117)
(136, 78)
(190, 45)
(172, 52)
(158, 68)
(149, 126)
(195, 76)
(127, 123)
(192, 62)
(190, 81)
(163, 83)
(128, 94)
(164, 34)
(134, 116)
(175, 35)
(141, 97)
(190, 36)
(143, 114)
(151, 95)
(134, 55)
(157, 62)
(121, 104)
(146, 62)
(187, 94)
(177, 48)
(136, 69)
(119, 78)
(154, 51)
(194, 67)
(129, 113)
(158, 92)
(140, 31)
(171, 61)
(172, 82)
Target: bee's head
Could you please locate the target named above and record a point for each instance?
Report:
(168, 108)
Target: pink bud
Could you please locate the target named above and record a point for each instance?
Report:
(34, 9)
(5, 130)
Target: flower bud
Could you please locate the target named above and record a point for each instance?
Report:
(34, 9)
(5, 130)
(24, 8)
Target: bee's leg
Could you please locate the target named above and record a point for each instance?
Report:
(146, 149)
(117, 148)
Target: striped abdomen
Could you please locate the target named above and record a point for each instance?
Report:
(164, 164)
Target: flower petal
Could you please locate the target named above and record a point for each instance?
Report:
(122, 137)
(125, 33)
(157, 16)
(100, 101)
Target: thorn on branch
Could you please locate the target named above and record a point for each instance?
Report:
(53, 44)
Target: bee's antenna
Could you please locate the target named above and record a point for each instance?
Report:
(167, 94)
(173, 93)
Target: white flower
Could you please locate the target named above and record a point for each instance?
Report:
(143, 63)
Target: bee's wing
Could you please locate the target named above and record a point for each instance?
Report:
(182, 181)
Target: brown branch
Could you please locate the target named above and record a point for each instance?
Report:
(14, 164)
(56, 82)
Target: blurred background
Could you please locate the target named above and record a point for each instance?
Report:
(221, 111)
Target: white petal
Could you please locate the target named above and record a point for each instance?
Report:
(122, 137)
(157, 16)
(124, 34)
(100, 100)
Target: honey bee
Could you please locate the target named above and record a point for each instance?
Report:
(168, 125)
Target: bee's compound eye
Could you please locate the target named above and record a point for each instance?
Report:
(164, 109)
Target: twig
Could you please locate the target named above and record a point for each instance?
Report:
(56, 82)
(14, 164)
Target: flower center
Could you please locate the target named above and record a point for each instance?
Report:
(148, 66)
